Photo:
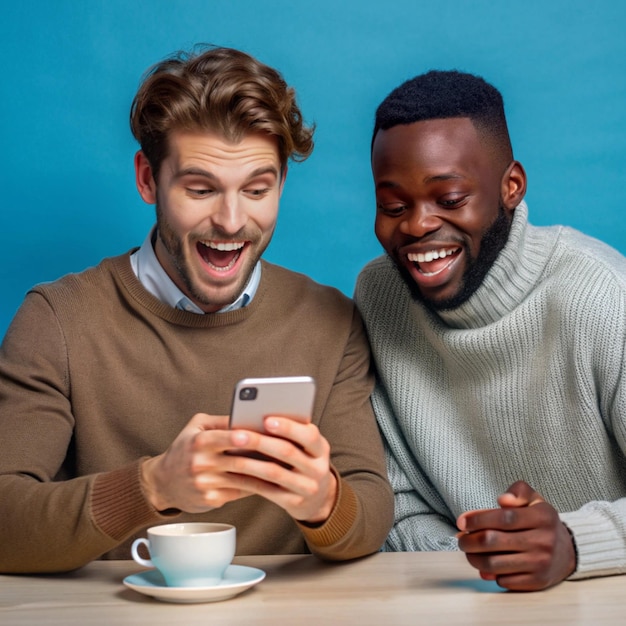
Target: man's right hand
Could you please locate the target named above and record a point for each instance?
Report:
(190, 475)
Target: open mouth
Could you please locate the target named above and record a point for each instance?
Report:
(434, 262)
(221, 256)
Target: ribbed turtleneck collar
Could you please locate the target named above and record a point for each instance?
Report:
(517, 269)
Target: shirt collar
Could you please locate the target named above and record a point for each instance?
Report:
(155, 279)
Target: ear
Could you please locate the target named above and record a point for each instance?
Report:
(513, 187)
(146, 185)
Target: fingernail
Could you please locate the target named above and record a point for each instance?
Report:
(271, 424)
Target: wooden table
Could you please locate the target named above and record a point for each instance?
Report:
(388, 588)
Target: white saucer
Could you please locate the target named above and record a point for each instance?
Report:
(237, 578)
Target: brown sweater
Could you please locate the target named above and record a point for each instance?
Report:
(96, 374)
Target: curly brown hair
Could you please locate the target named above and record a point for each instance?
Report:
(221, 90)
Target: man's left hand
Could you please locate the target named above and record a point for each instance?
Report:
(302, 483)
(523, 545)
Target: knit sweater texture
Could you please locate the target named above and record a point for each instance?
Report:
(524, 381)
(97, 374)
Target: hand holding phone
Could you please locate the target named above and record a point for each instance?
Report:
(254, 400)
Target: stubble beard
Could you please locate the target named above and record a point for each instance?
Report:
(173, 244)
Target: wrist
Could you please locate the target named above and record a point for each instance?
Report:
(327, 508)
(574, 551)
(149, 484)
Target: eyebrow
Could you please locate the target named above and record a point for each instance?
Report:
(386, 184)
(390, 184)
(197, 171)
(443, 177)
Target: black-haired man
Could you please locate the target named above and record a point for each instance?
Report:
(499, 348)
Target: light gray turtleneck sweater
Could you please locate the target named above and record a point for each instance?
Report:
(524, 381)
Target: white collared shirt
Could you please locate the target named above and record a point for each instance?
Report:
(155, 279)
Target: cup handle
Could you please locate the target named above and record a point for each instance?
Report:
(136, 557)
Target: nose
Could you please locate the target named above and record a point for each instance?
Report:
(230, 215)
(420, 220)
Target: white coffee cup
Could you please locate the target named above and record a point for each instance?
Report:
(190, 554)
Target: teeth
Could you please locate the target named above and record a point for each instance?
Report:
(223, 246)
(430, 255)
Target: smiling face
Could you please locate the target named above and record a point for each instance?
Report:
(445, 199)
(217, 204)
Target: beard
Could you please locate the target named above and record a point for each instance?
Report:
(173, 244)
(491, 243)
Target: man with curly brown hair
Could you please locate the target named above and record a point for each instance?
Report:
(115, 383)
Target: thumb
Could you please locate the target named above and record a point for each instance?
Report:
(203, 421)
(519, 494)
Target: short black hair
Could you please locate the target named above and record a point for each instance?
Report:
(440, 94)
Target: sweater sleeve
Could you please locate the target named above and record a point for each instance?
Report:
(49, 520)
(599, 531)
(418, 526)
(599, 527)
(363, 513)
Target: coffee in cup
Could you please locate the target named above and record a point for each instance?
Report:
(189, 554)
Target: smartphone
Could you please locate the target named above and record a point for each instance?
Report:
(254, 399)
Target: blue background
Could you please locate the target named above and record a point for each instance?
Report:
(70, 70)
